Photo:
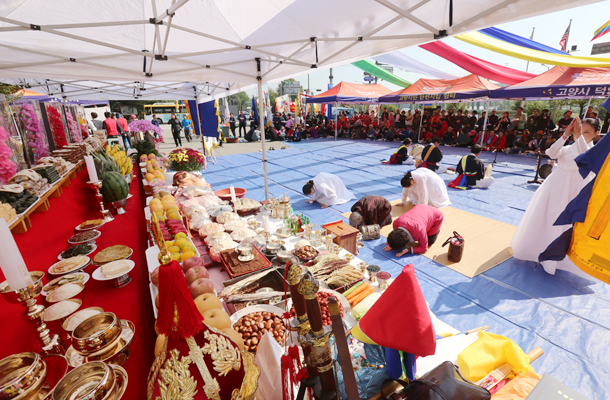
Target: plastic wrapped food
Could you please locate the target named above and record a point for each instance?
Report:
(194, 191)
(183, 178)
(226, 216)
(196, 209)
(301, 243)
(247, 205)
(235, 224)
(216, 210)
(240, 234)
(208, 229)
(217, 248)
(197, 221)
(257, 241)
(217, 237)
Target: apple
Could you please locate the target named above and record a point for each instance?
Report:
(154, 277)
(234, 336)
(196, 273)
(161, 339)
(201, 286)
(192, 262)
(217, 318)
(207, 301)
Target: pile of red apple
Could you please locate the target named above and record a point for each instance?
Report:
(197, 277)
(170, 227)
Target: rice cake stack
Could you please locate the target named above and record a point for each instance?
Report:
(8, 213)
(60, 164)
(47, 171)
(31, 180)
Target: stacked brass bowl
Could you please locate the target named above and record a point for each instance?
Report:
(92, 381)
(102, 337)
(22, 376)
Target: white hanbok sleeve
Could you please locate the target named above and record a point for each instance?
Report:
(556, 150)
(405, 195)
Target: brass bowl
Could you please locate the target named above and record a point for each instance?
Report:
(21, 375)
(273, 248)
(66, 322)
(79, 295)
(91, 381)
(116, 354)
(284, 255)
(96, 333)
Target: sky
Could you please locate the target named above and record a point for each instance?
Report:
(549, 29)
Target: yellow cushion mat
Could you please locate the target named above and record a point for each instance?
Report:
(487, 241)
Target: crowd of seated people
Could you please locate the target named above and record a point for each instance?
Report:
(518, 134)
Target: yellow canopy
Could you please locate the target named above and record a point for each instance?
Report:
(499, 46)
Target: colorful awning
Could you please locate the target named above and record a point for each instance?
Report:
(380, 73)
(560, 83)
(474, 65)
(346, 92)
(490, 43)
(442, 90)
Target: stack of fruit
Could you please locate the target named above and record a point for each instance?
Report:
(153, 168)
(114, 186)
(120, 157)
(171, 226)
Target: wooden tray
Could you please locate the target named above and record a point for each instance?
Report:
(226, 254)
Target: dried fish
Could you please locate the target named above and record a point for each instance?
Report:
(235, 288)
(237, 298)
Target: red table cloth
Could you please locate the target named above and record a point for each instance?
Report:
(48, 237)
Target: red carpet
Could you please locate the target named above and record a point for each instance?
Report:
(48, 237)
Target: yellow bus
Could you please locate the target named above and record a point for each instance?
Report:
(163, 111)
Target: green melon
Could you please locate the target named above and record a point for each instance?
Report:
(114, 187)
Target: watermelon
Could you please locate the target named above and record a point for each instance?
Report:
(114, 187)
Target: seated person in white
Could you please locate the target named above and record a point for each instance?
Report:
(423, 186)
(327, 189)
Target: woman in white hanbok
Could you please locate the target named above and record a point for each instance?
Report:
(536, 230)
(424, 186)
(327, 189)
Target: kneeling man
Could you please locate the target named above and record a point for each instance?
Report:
(371, 210)
(415, 230)
(472, 171)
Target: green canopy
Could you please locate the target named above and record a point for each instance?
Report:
(376, 71)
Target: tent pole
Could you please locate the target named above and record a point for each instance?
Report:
(261, 124)
(421, 121)
(485, 122)
(336, 121)
(587, 109)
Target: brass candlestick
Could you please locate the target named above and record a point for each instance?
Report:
(51, 344)
(104, 214)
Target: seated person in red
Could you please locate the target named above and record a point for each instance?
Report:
(415, 230)
(501, 141)
(426, 136)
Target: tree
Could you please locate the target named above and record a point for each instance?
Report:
(8, 91)
(273, 93)
(241, 100)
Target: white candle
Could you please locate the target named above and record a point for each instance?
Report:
(11, 262)
(91, 169)
(266, 223)
(232, 189)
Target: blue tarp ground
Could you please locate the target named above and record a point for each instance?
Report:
(568, 317)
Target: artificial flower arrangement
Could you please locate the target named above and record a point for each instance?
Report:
(83, 127)
(57, 127)
(34, 128)
(143, 126)
(8, 167)
(74, 129)
(185, 159)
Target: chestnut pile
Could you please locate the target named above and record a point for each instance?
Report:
(253, 326)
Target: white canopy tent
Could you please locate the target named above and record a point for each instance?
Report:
(106, 49)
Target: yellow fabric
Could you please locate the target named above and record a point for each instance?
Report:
(590, 248)
(519, 388)
(499, 46)
(359, 335)
(489, 352)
